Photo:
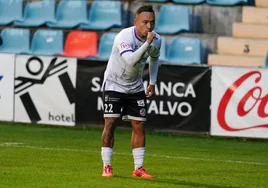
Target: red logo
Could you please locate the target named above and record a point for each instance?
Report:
(261, 99)
(125, 45)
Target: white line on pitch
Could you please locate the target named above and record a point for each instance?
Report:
(152, 155)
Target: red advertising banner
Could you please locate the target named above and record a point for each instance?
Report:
(239, 102)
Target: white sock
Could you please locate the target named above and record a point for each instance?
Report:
(106, 154)
(138, 155)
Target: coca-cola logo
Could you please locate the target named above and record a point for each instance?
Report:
(254, 94)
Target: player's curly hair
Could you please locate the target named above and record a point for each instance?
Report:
(145, 8)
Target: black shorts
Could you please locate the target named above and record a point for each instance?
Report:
(129, 106)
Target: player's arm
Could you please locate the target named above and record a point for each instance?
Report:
(131, 57)
(153, 70)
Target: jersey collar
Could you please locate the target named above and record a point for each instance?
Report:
(137, 37)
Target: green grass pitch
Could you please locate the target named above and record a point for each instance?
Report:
(34, 156)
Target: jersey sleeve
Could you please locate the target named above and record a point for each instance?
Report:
(156, 51)
(123, 44)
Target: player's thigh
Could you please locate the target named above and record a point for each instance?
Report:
(136, 108)
(112, 104)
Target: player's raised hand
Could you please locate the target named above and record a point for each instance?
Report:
(150, 37)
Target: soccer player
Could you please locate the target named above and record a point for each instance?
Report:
(123, 89)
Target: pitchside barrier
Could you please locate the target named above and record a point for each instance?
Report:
(64, 91)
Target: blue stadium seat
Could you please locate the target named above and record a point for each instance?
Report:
(38, 13)
(189, 1)
(266, 61)
(47, 42)
(15, 40)
(226, 2)
(156, 1)
(184, 50)
(173, 19)
(104, 15)
(105, 45)
(163, 49)
(10, 10)
(70, 14)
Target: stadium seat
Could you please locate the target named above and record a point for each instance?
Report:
(10, 10)
(242, 46)
(261, 3)
(105, 45)
(81, 44)
(184, 50)
(235, 60)
(226, 2)
(254, 15)
(70, 14)
(104, 15)
(47, 42)
(38, 13)
(266, 61)
(163, 49)
(173, 19)
(189, 1)
(160, 1)
(246, 30)
(15, 40)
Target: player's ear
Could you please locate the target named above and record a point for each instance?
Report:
(135, 21)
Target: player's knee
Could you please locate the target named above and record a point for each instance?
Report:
(138, 127)
(110, 123)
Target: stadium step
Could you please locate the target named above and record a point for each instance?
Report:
(247, 30)
(236, 60)
(254, 15)
(261, 3)
(242, 46)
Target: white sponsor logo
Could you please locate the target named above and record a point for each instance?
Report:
(141, 103)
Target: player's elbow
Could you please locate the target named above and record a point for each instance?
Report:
(128, 59)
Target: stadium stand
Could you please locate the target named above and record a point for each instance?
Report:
(189, 1)
(162, 1)
(70, 14)
(184, 50)
(173, 19)
(81, 44)
(37, 13)
(47, 42)
(104, 15)
(226, 2)
(233, 30)
(15, 40)
(105, 45)
(10, 11)
(248, 45)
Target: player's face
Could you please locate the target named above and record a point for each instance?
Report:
(144, 22)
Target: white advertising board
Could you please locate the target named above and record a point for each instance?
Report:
(45, 90)
(7, 62)
(239, 102)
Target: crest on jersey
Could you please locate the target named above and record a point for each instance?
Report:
(143, 112)
(141, 102)
(124, 45)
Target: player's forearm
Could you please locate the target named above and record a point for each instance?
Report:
(153, 70)
(131, 58)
